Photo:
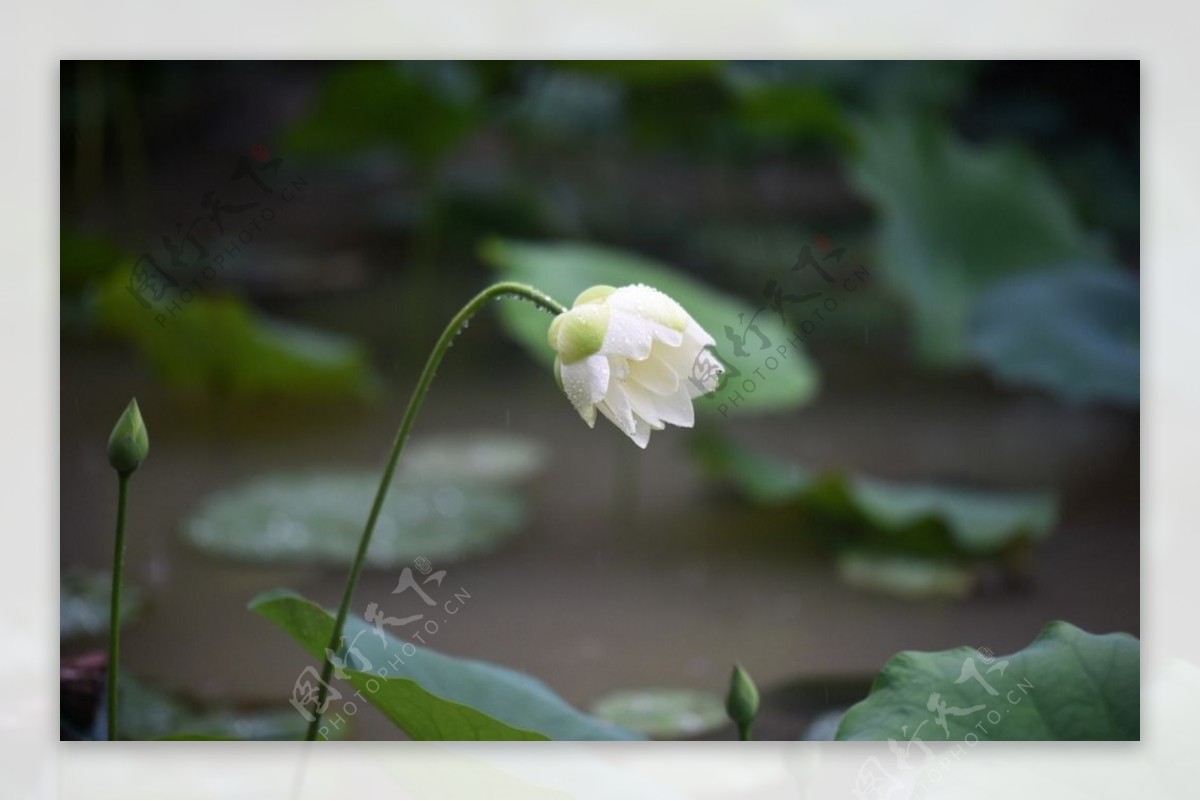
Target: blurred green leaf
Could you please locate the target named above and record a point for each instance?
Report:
(317, 518)
(1073, 332)
(634, 72)
(1066, 685)
(877, 86)
(423, 108)
(83, 259)
(1104, 180)
(563, 270)
(431, 696)
(84, 601)
(217, 344)
(956, 218)
(896, 517)
(791, 113)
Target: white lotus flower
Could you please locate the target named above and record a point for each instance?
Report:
(634, 354)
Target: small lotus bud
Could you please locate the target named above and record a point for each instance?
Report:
(128, 443)
(742, 702)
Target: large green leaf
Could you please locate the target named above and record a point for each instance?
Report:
(1067, 685)
(1072, 332)
(925, 518)
(216, 343)
(432, 696)
(956, 218)
(563, 270)
(317, 518)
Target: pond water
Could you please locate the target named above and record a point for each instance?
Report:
(634, 570)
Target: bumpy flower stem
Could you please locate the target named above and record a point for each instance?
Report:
(501, 290)
(114, 624)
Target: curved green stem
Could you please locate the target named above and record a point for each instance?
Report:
(500, 290)
(114, 621)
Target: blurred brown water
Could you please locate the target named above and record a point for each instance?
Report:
(596, 596)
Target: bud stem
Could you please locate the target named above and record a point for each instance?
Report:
(500, 290)
(114, 624)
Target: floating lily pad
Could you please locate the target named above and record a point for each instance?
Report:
(84, 601)
(472, 458)
(919, 518)
(432, 696)
(663, 713)
(905, 576)
(318, 518)
(1066, 685)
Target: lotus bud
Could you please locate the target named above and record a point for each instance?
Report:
(742, 702)
(128, 443)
